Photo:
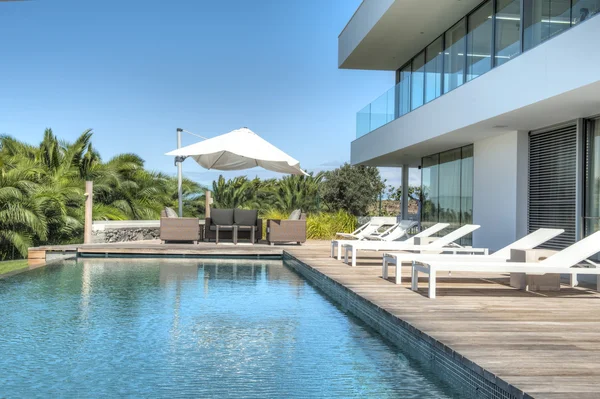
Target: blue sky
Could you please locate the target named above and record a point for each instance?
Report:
(136, 70)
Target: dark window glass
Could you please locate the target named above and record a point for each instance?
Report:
(454, 56)
(584, 9)
(508, 24)
(479, 41)
(418, 80)
(433, 69)
(429, 190)
(543, 19)
(449, 187)
(592, 178)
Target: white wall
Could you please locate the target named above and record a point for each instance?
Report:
(499, 192)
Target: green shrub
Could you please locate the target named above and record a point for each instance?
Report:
(319, 226)
(324, 226)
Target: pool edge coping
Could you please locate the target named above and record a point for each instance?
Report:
(437, 345)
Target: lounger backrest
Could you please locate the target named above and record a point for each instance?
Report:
(368, 230)
(530, 241)
(436, 228)
(453, 236)
(400, 230)
(575, 253)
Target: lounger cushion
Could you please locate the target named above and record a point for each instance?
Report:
(295, 215)
(221, 217)
(244, 217)
(170, 213)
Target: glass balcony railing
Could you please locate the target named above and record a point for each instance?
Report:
(376, 114)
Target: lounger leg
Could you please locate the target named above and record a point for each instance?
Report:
(345, 254)
(339, 247)
(574, 282)
(414, 279)
(354, 251)
(332, 248)
(432, 284)
(384, 270)
(598, 282)
(398, 272)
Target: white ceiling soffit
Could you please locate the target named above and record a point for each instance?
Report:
(383, 36)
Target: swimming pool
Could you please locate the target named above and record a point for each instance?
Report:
(190, 328)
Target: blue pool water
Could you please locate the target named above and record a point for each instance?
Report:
(190, 329)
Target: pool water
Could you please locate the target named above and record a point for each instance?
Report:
(190, 329)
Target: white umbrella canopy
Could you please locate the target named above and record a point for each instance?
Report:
(237, 150)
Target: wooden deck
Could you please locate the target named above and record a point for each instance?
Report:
(545, 344)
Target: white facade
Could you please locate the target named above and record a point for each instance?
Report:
(554, 82)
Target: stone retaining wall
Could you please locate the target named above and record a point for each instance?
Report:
(125, 234)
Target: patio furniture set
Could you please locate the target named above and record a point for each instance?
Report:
(232, 225)
(529, 267)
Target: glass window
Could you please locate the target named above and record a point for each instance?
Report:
(429, 190)
(479, 41)
(544, 19)
(508, 23)
(449, 187)
(584, 9)
(592, 177)
(418, 80)
(433, 69)
(404, 90)
(454, 57)
(466, 185)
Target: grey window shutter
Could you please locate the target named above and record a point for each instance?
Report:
(552, 181)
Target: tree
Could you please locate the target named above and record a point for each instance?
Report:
(238, 192)
(352, 188)
(395, 193)
(42, 191)
(298, 192)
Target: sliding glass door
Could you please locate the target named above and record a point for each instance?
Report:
(592, 178)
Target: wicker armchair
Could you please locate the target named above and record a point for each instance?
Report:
(179, 229)
(284, 231)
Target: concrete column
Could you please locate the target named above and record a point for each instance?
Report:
(89, 203)
(405, 186)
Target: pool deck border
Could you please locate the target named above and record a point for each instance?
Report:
(465, 376)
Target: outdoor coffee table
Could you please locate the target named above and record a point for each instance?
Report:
(234, 232)
(252, 228)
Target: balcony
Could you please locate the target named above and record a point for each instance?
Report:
(377, 114)
(491, 35)
(552, 83)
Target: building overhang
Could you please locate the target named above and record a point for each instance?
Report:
(384, 34)
(553, 83)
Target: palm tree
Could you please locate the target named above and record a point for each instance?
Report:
(22, 217)
(298, 192)
(238, 192)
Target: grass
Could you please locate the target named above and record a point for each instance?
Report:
(12, 265)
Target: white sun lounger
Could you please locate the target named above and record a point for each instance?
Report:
(530, 241)
(398, 230)
(440, 245)
(366, 229)
(563, 262)
(396, 233)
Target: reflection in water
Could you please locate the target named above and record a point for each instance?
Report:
(189, 328)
